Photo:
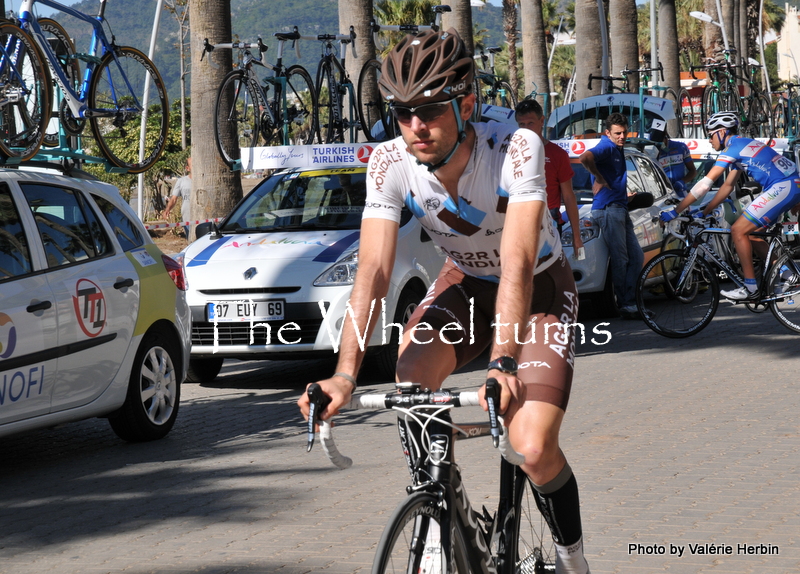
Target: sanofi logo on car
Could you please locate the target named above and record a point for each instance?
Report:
(8, 336)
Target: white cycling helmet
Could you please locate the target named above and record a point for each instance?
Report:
(728, 120)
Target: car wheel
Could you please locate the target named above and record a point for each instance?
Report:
(203, 370)
(603, 302)
(384, 362)
(151, 405)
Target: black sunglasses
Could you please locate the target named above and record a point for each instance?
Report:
(426, 112)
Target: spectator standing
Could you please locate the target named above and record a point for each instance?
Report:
(558, 171)
(606, 163)
(182, 189)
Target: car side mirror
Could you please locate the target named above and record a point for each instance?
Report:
(640, 200)
(205, 228)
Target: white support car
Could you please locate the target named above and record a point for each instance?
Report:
(274, 280)
(93, 317)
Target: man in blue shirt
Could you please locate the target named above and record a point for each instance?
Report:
(676, 161)
(606, 163)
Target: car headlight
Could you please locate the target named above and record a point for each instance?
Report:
(589, 230)
(343, 273)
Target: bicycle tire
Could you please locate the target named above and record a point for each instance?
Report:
(677, 310)
(779, 119)
(408, 543)
(23, 117)
(116, 119)
(688, 118)
(786, 309)
(759, 116)
(479, 98)
(501, 94)
(301, 98)
(373, 111)
(533, 549)
(710, 106)
(329, 113)
(671, 95)
(64, 50)
(237, 124)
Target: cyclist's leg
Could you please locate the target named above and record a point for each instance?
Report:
(546, 367)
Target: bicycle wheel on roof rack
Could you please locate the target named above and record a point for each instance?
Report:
(237, 122)
(779, 119)
(117, 101)
(330, 126)
(25, 105)
(64, 50)
(301, 99)
(377, 122)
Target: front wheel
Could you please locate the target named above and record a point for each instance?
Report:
(784, 281)
(675, 300)
(117, 100)
(534, 550)
(376, 120)
(712, 104)
(237, 116)
(330, 127)
(154, 391)
(301, 99)
(411, 541)
(779, 119)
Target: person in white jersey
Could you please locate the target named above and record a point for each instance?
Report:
(479, 190)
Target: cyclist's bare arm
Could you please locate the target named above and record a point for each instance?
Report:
(713, 174)
(724, 190)
(376, 253)
(519, 249)
(571, 205)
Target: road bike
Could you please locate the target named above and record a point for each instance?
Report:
(120, 86)
(376, 120)
(436, 529)
(786, 113)
(677, 293)
(24, 98)
(648, 80)
(336, 113)
(249, 112)
(489, 87)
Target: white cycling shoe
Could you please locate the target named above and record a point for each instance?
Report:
(740, 294)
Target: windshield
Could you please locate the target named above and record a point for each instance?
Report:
(324, 199)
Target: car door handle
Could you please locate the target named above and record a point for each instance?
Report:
(124, 283)
(655, 219)
(41, 306)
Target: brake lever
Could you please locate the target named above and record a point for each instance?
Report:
(492, 400)
(317, 401)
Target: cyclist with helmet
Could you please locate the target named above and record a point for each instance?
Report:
(676, 161)
(478, 189)
(777, 175)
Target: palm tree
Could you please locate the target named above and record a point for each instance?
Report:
(588, 52)
(668, 44)
(461, 19)
(623, 34)
(215, 188)
(394, 12)
(534, 46)
(510, 32)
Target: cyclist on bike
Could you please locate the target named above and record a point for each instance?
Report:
(479, 190)
(777, 175)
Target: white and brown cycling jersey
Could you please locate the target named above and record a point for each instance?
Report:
(506, 166)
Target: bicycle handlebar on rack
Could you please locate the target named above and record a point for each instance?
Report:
(437, 399)
(343, 38)
(611, 79)
(660, 69)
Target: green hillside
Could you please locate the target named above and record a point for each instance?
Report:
(250, 18)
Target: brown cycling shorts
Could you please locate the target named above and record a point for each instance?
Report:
(461, 308)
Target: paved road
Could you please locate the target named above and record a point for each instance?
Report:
(675, 444)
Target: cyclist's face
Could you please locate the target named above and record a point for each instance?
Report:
(617, 134)
(717, 138)
(431, 141)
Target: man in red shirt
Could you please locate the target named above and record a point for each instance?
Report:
(557, 169)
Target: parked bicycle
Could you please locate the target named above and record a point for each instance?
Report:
(678, 291)
(278, 110)
(373, 111)
(336, 113)
(786, 113)
(436, 529)
(120, 86)
(648, 80)
(24, 100)
(489, 87)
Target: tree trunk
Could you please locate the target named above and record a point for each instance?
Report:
(623, 33)
(588, 49)
(215, 188)
(729, 15)
(668, 44)
(510, 32)
(712, 35)
(358, 13)
(460, 19)
(534, 46)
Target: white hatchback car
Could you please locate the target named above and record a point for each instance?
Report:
(274, 280)
(93, 317)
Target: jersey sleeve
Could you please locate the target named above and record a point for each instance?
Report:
(523, 176)
(385, 182)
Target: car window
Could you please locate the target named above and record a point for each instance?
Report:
(70, 231)
(15, 255)
(308, 200)
(635, 184)
(650, 178)
(127, 232)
